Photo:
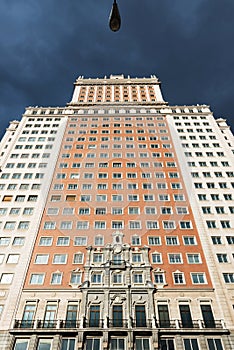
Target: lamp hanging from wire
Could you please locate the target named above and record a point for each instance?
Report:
(114, 19)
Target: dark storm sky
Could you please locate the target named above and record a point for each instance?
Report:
(46, 44)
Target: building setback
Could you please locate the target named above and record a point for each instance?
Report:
(117, 223)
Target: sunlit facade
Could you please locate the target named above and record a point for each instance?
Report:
(117, 223)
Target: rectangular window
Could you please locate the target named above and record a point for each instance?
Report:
(21, 344)
(92, 344)
(94, 317)
(198, 278)
(164, 319)
(208, 317)
(80, 241)
(186, 317)
(117, 313)
(136, 240)
(215, 344)
(37, 278)
(190, 344)
(138, 278)
(228, 277)
(172, 240)
(60, 259)
(69, 344)
(56, 278)
(75, 278)
(117, 344)
(6, 278)
(44, 344)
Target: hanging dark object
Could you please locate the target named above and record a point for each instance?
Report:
(114, 19)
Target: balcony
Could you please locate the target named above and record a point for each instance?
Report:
(95, 323)
(116, 323)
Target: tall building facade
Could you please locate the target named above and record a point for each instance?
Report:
(117, 223)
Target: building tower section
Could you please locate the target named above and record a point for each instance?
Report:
(121, 260)
(29, 151)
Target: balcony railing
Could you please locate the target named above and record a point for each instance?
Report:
(212, 324)
(166, 324)
(99, 323)
(47, 324)
(69, 324)
(192, 324)
(142, 323)
(116, 323)
(24, 324)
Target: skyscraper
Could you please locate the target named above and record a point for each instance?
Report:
(117, 223)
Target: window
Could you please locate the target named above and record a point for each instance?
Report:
(45, 241)
(21, 344)
(159, 278)
(80, 241)
(69, 344)
(78, 258)
(154, 240)
(175, 258)
(230, 239)
(225, 224)
(178, 197)
(92, 344)
(194, 258)
(66, 225)
(152, 225)
(211, 224)
(94, 316)
(135, 225)
(216, 240)
(99, 240)
(41, 259)
(138, 278)
(96, 278)
(18, 241)
(84, 211)
(117, 344)
(117, 278)
(75, 278)
(60, 259)
(82, 225)
(222, 258)
(56, 278)
(28, 211)
(207, 315)
(215, 344)
(136, 257)
(198, 278)
(49, 225)
(167, 225)
(63, 241)
(190, 344)
(37, 278)
(6, 278)
(178, 278)
(9, 225)
(172, 240)
(228, 277)
(185, 225)
(136, 240)
(99, 225)
(44, 344)
(19, 198)
(117, 198)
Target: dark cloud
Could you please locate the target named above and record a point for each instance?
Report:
(45, 45)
